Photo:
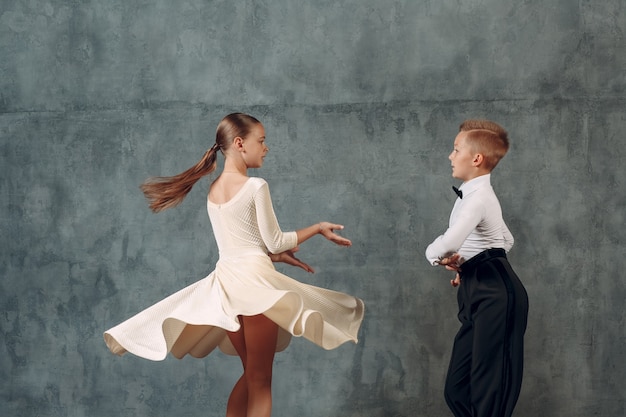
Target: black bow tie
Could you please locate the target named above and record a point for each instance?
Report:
(458, 192)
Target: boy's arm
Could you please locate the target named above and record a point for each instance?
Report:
(450, 242)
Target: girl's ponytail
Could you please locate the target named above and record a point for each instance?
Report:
(168, 192)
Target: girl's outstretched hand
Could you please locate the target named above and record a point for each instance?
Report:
(327, 230)
(289, 258)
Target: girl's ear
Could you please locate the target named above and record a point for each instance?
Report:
(238, 143)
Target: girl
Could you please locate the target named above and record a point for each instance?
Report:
(245, 307)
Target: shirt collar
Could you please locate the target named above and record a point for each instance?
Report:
(475, 183)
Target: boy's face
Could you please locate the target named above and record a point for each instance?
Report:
(462, 158)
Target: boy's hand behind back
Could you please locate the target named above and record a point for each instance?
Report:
(452, 264)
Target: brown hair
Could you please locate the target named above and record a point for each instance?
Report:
(168, 192)
(488, 138)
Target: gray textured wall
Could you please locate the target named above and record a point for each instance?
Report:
(361, 100)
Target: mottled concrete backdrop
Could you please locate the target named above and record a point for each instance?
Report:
(361, 100)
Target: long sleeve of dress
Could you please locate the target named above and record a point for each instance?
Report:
(274, 238)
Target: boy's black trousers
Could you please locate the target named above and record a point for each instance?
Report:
(485, 374)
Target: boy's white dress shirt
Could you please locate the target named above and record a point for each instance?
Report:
(475, 225)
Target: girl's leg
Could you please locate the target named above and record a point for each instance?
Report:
(255, 343)
(238, 400)
(260, 335)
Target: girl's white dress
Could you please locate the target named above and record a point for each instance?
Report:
(194, 320)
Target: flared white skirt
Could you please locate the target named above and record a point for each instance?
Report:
(195, 319)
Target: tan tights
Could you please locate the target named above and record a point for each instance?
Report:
(255, 343)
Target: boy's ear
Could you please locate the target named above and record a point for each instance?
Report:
(478, 160)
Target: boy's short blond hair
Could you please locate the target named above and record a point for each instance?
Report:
(487, 138)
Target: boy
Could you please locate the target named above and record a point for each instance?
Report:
(485, 373)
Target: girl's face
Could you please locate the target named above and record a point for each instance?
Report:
(462, 158)
(254, 147)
